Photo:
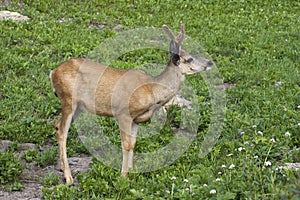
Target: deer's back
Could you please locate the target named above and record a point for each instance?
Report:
(100, 89)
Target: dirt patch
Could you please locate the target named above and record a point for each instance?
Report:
(225, 86)
(32, 174)
(32, 191)
(6, 3)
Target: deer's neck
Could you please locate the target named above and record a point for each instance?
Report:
(168, 83)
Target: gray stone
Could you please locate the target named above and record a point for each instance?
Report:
(119, 27)
(6, 15)
(4, 144)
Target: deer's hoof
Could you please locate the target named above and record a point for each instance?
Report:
(125, 174)
(69, 180)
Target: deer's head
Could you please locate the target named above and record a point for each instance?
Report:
(187, 63)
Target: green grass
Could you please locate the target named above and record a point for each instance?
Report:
(11, 167)
(51, 179)
(255, 45)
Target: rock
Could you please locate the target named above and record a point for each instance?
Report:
(80, 164)
(30, 192)
(95, 24)
(6, 3)
(26, 146)
(119, 27)
(62, 20)
(6, 15)
(224, 86)
(289, 166)
(278, 84)
(4, 144)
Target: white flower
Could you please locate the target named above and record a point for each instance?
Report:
(242, 133)
(259, 132)
(187, 189)
(213, 191)
(247, 143)
(278, 83)
(185, 180)
(255, 157)
(218, 179)
(220, 173)
(228, 155)
(298, 106)
(287, 134)
(272, 140)
(173, 178)
(231, 166)
(268, 163)
(254, 126)
(241, 148)
(204, 185)
(168, 191)
(223, 166)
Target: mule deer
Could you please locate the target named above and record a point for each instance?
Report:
(131, 96)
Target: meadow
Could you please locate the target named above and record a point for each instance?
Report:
(254, 44)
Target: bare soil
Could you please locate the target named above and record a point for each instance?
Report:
(32, 174)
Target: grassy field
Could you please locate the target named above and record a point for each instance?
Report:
(256, 47)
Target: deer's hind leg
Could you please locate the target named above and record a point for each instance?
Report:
(62, 127)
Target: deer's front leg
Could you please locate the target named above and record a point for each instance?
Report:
(134, 129)
(125, 124)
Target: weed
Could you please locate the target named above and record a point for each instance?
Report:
(15, 186)
(61, 192)
(47, 157)
(30, 155)
(10, 167)
(50, 179)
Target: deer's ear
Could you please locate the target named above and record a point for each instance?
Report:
(174, 51)
(174, 48)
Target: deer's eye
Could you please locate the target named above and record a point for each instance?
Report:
(189, 60)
